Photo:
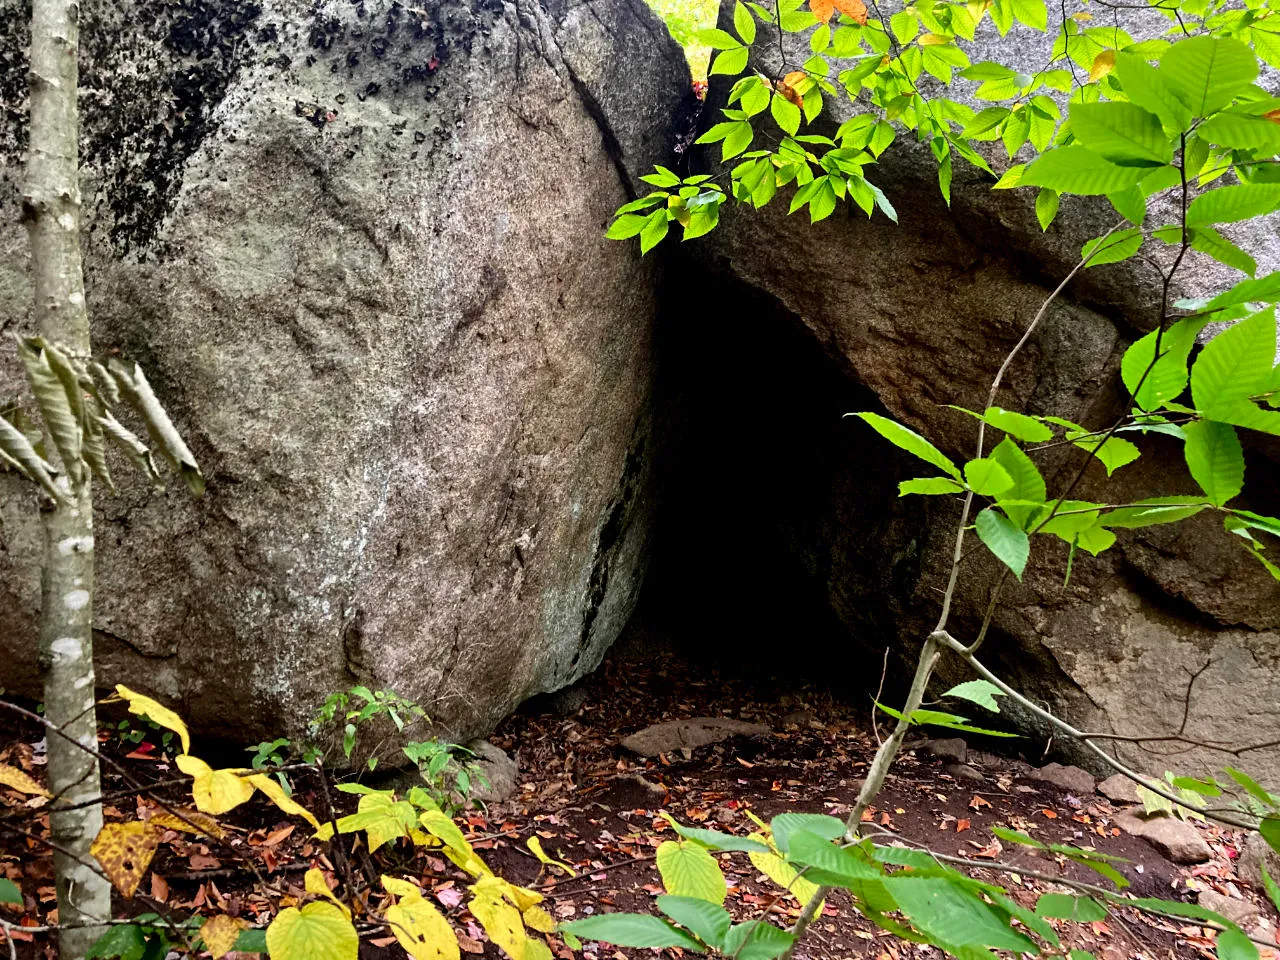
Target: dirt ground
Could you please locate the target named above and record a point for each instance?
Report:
(598, 807)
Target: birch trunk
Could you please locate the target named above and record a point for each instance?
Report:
(51, 209)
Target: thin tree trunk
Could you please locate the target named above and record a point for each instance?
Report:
(51, 209)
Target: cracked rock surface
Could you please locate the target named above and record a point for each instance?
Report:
(358, 248)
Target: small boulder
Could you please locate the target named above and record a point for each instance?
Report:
(1119, 789)
(1240, 912)
(500, 773)
(1072, 779)
(1176, 839)
(964, 772)
(1255, 853)
(951, 749)
(689, 734)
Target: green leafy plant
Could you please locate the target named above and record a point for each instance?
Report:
(362, 707)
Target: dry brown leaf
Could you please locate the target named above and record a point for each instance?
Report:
(125, 851)
(220, 934)
(23, 783)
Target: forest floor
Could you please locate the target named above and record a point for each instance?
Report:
(599, 808)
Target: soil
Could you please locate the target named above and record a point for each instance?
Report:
(600, 809)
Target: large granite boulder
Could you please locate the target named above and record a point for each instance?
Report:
(921, 314)
(358, 247)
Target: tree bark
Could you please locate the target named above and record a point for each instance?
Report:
(51, 210)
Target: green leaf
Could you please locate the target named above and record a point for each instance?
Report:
(1077, 169)
(1028, 484)
(939, 718)
(1145, 87)
(830, 864)
(730, 63)
(987, 477)
(1242, 131)
(1269, 827)
(785, 113)
(1235, 366)
(689, 870)
(655, 228)
(718, 39)
(626, 226)
(1123, 133)
(708, 921)
(631, 930)
(953, 915)
(1003, 538)
(910, 441)
(1207, 73)
(714, 839)
(1017, 425)
(319, 931)
(1130, 203)
(744, 23)
(929, 486)
(9, 892)
(756, 940)
(981, 692)
(1273, 890)
(1046, 207)
(1235, 945)
(661, 177)
(1242, 201)
(251, 941)
(1061, 906)
(123, 942)
(819, 824)
(1152, 511)
(1153, 382)
(1112, 452)
(1215, 459)
(1209, 241)
(1120, 245)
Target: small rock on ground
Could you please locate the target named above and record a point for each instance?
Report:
(1242, 912)
(1256, 852)
(1071, 779)
(952, 749)
(498, 769)
(962, 771)
(1176, 839)
(1119, 789)
(689, 734)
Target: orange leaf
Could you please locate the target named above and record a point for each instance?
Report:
(961, 826)
(822, 9)
(854, 9)
(977, 802)
(1049, 814)
(125, 851)
(1273, 116)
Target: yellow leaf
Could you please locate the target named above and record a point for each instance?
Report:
(421, 929)
(319, 931)
(933, 40)
(125, 851)
(315, 884)
(191, 821)
(15, 778)
(142, 706)
(1103, 64)
(214, 791)
(500, 920)
(469, 862)
(401, 888)
(536, 950)
(781, 872)
(1082, 17)
(220, 934)
(689, 870)
(535, 918)
(439, 825)
(534, 844)
(275, 793)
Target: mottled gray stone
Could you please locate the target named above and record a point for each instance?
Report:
(689, 734)
(359, 250)
(1071, 779)
(1176, 839)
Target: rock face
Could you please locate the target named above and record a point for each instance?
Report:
(920, 314)
(1176, 839)
(358, 248)
(689, 734)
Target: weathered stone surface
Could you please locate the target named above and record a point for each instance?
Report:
(500, 772)
(358, 248)
(689, 734)
(1119, 789)
(953, 749)
(964, 772)
(921, 313)
(1242, 912)
(1256, 854)
(1071, 779)
(1176, 839)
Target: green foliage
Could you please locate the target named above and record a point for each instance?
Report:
(688, 20)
